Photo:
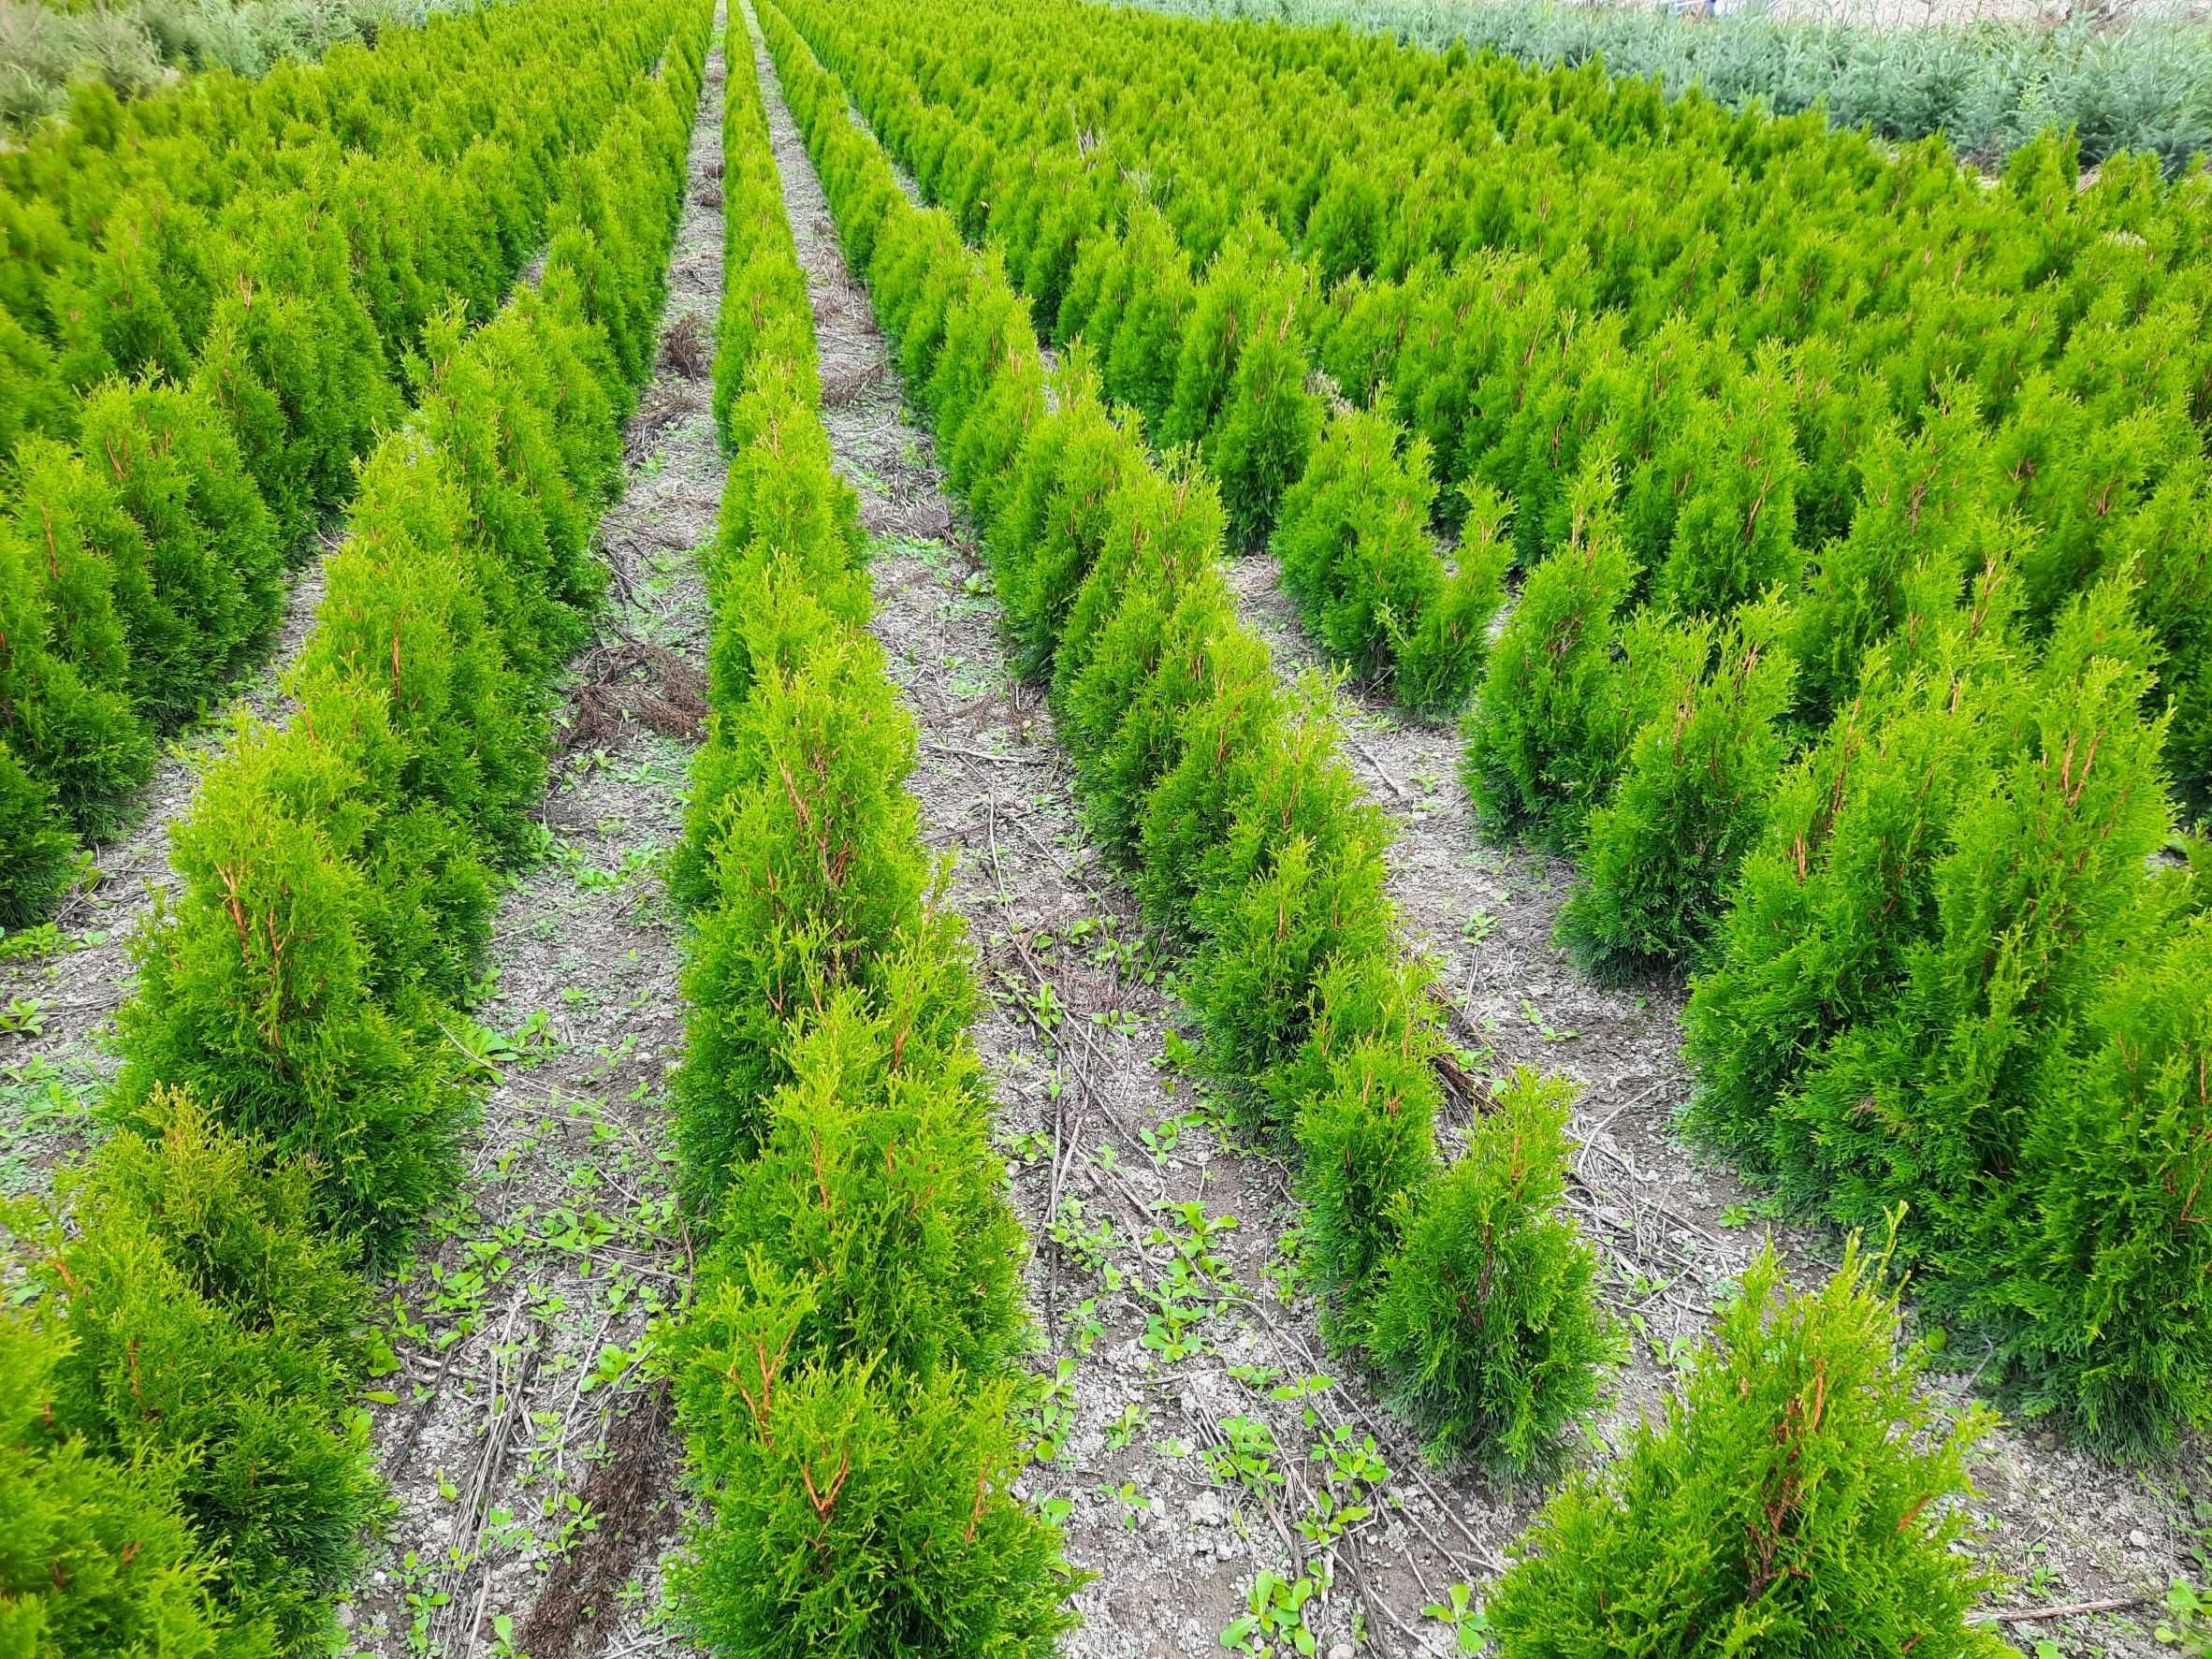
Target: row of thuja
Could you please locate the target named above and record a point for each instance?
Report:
(184, 1467)
(844, 1374)
(1505, 279)
(209, 308)
(1828, 676)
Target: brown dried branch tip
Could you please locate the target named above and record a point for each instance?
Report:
(631, 682)
(688, 346)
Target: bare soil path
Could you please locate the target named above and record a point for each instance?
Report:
(533, 1469)
(55, 1008)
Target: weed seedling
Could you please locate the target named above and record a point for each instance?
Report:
(1470, 1629)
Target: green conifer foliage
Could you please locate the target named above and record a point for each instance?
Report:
(36, 847)
(1161, 533)
(1791, 1502)
(79, 547)
(1127, 710)
(1140, 356)
(209, 582)
(1441, 660)
(81, 745)
(1354, 542)
(861, 1515)
(1690, 802)
(1250, 287)
(1295, 880)
(1544, 738)
(1917, 506)
(95, 1556)
(1735, 529)
(1220, 787)
(1268, 421)
(819, 870)
(1054, 515)
(2170, 540)
(875, 1182)
(1365, 1124)
(1237, 707)
(843, 1375)
(218, 1333)
(1487, 1327)
(258, 993)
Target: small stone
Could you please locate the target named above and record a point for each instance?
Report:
(1342, 1651)
(1206, 1510)
(2139, 1539)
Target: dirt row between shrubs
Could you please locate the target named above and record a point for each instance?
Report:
(533, 1467)
(54, 1007)
(1673, 1230)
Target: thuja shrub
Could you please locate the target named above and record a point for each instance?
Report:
(65, 707)
(401, 607)
(1917, 506)
(1162, 532)
(1234, 712)
(1543, 738)
(1487, 1327)
(1951, 977)
(1733, 534)
(1140, 355)
(1268, 423)
(1126, 709)
(259, 992)
(95, 1555)
(2170, 540)
(1296, 879)
(1353, 540)
(1367, 1101)
(1689, 805)
(1249, 286)
(1799, 1498)
(85, 556)
(1441, 656)
(218, 1333)
(207, 592)
(1837, 889)
(818, 868)
(842, 1375)
(36, 847)
(1054, 513)
(783, 490)
(875, 1182)
(857, 1512)
(2096, 1292)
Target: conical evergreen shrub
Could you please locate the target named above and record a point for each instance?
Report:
(1487, 1327)
(218, 1333)
(1690, 802)
(1798, 1499)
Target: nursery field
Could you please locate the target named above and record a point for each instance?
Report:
(858, 828)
